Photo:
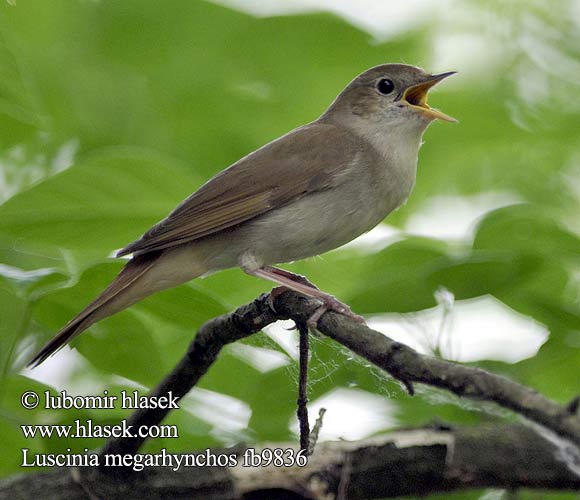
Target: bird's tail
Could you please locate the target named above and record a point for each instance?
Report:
(119, 295)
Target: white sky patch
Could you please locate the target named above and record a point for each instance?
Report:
(376, 239)
(225, 413)
(380, 19)
(493, 495)
(351, 414)
(260, 358)
(64, 370)
(455, 51)
(533, 86)
(476, 329)
(281, 333)
(454, 217)
(23, 166)
(16, 273)
(65, 156)
(548, 56)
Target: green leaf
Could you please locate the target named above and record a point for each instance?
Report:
(397, 278)
(526, 229)
(482, 273)
(121, 191)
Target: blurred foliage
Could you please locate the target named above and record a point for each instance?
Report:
(112, 112)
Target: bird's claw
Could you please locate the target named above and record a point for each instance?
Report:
(274, 293)
(327, 303)
(331, 304)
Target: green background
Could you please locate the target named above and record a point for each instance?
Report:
(112, 112)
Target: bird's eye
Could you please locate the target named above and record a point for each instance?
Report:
(385, 86)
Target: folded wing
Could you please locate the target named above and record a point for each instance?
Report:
(293, 166)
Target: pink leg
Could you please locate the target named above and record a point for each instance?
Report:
(298, 278)
(302, 285)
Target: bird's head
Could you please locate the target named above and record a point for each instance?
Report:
(392, 94)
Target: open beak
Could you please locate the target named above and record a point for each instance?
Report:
(415, 97)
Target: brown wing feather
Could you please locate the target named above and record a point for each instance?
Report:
(298, 163)
(134, 269)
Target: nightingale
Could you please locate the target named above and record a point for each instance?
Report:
(310, 191)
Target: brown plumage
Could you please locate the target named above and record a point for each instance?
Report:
(255, 185)
(132, 271)
(312, 190)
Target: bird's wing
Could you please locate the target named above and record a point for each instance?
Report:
(309, 159)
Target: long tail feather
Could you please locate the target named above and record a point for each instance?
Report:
(101, 307)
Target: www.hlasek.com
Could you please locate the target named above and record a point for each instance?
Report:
(251, 457)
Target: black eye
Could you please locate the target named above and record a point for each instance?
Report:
(385, 86)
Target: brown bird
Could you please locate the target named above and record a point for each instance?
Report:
(308, 192)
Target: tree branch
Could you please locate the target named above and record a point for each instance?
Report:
(400, 361)
(302, 401)
(499, 456)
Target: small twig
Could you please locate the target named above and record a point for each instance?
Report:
(316, 431)
(302, 409)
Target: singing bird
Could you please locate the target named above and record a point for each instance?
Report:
(308, 192)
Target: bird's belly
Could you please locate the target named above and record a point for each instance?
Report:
(308, 226)
(314, 224)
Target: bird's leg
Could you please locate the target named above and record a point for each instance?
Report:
(291, 276)
(281, 289)
(300, 284)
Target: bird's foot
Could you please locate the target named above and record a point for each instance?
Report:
(296, 278)
(287, 277)
(291, 281)
(274, 294)
(330, 303)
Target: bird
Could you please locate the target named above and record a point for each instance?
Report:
(312, 190)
